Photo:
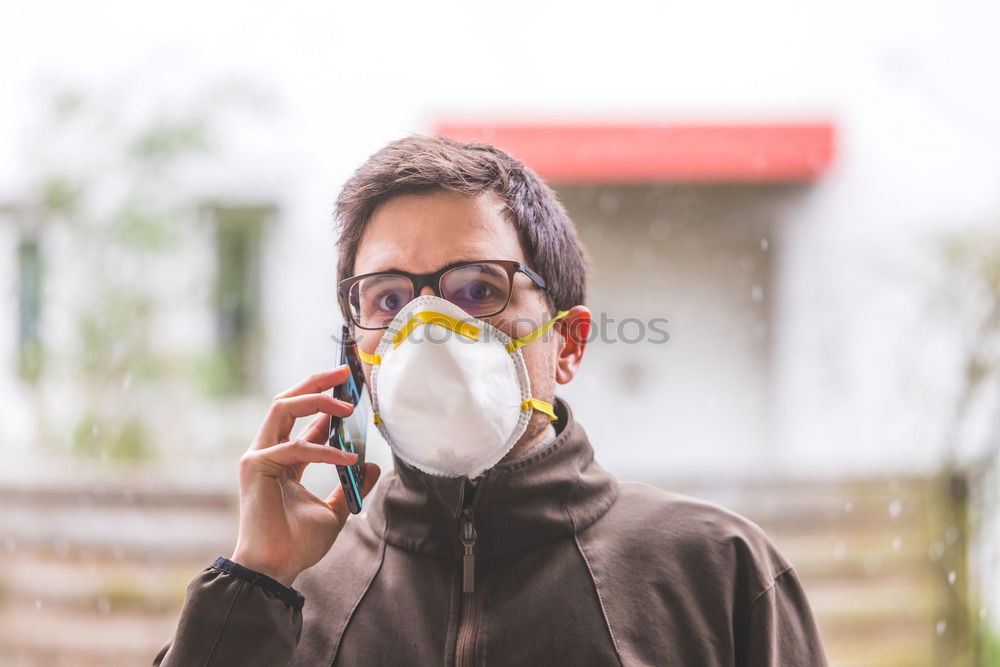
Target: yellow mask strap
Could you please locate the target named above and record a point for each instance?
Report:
(461, 328)
(466, 329)
(527, 404)
(541, 406)
(536, 334)
(370, 359)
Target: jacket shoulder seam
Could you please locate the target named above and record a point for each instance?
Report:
(770, 587)
(364, 592)
(600, 598)
(590, 571)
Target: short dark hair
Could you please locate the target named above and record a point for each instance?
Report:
(422, 164)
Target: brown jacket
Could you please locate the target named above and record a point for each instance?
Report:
(568, 567)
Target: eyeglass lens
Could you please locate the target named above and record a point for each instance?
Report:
(479, 289)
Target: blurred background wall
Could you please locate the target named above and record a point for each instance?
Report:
(831, 305)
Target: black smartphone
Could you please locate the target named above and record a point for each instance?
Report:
(348, 433)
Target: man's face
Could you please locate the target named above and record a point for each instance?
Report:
(422, 233)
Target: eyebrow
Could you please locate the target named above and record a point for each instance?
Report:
(376, 279)
(449, 264)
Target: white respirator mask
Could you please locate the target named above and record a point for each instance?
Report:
(450, 392)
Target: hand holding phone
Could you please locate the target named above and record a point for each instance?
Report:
(284, 528)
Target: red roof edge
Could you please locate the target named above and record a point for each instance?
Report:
(688, 153)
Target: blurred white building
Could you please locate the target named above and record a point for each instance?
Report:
(804, 331)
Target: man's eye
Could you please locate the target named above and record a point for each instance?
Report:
(390, 301)
(478, 291)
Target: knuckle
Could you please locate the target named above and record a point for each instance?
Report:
(296, 445)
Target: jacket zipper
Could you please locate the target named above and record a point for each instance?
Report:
(469, 557)
(468, 624)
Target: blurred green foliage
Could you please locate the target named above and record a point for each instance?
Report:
(135, 225)
(59, 196)
(111, 439)
(31, 361)
(124, 593)
(971, 262)
(166, 141)
(217, 373)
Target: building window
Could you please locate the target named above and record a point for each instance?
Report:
(236, 296)
(29, 302)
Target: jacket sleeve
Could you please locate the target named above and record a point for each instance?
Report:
(235, 616)
(782, 631)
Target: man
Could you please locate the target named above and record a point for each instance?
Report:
(496, 546)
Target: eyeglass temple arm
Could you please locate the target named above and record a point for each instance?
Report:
(537, 279)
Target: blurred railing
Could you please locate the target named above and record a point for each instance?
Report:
(97, 576)
(883, 561)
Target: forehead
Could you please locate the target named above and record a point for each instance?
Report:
(420, 233)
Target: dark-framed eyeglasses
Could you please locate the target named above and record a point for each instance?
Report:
(481, 288)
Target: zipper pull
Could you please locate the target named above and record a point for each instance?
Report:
(469, 559)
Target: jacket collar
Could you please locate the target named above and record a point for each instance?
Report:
(551, 494)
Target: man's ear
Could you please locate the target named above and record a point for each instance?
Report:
(575, 332)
